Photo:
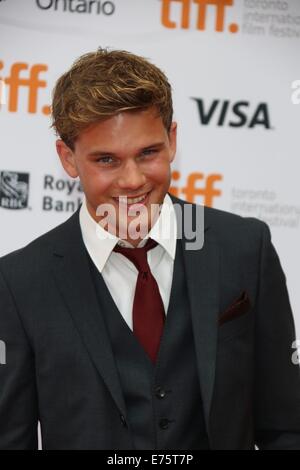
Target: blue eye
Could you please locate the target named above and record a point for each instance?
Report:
(104, 160)
(149, 151)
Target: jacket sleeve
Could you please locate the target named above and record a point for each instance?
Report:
(277, 377)
(18, 396)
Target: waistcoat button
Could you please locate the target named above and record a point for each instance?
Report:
(123, 420)
(164, 423)
(160, 393)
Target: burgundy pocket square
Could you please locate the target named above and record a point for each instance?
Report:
(239, 307)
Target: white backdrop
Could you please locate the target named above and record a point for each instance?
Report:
(232, 78)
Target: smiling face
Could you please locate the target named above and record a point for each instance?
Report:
(128, 155)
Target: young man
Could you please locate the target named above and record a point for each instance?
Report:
(118, 337)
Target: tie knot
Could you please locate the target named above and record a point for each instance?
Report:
(138, 256)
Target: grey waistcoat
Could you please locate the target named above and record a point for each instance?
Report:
(163, 401)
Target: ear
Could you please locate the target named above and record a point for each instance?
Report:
(173, 140)
(67, 158)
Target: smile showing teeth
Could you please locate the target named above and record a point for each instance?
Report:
(135, 200)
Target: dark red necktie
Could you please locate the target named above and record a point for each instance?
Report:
(148, 309)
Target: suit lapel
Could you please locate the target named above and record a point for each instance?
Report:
(202, 274)
(74, 281)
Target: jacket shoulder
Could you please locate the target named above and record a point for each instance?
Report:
(36, 252)
(225, 220)
(229, 221)
(229, 229)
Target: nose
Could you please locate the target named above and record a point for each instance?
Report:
(131, 177)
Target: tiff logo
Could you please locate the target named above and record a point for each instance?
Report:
(207, 189)
(2, 353)
(2, 91)
(201, 6)
(16, 80)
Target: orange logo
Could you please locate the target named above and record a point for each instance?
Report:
(207, 191)
(31, 82)
(201, 6)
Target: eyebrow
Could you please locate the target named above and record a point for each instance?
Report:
(96, 153)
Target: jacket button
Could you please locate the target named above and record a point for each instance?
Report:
(164, 423)
(123, 420)
(160, 393)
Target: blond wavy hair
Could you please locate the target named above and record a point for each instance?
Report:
(103, 83)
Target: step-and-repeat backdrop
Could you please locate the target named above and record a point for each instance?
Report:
(234, 66)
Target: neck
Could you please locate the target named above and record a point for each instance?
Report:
(134, 242)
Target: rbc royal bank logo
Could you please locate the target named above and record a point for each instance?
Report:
(14, 189)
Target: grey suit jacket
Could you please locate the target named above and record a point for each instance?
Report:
(60, 369)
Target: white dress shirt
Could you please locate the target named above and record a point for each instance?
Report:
(119, 273)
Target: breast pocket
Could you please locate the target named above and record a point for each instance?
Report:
(236, 327)
(236, 318)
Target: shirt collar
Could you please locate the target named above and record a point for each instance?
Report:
(100, 243)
